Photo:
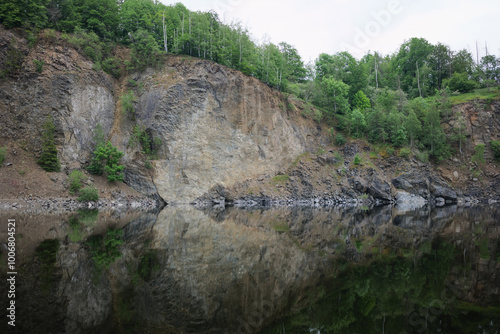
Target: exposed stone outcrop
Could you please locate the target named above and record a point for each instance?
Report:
(425, 186)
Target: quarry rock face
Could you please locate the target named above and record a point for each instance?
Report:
(217, 126)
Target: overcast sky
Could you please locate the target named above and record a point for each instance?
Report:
(358, 26)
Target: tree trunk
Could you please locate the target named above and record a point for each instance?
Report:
(418, 81)
(165, 38)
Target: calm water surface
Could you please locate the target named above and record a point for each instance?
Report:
(293, 270)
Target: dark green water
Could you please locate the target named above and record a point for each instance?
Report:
(298, 270)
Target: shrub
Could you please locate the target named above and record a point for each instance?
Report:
(318, 115)
(423, 156)
(404, 152)
(460, 82)
(48, 159)
(128, 100)
(357, 160)
(39, 65)
(88, 194)
(144, 137)
(3, 153)
(76, 179)
(106, 160)
(104, 250)
(339, 140)
(478, 157)
(281, 178)
(495, 147)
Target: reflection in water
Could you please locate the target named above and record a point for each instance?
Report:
(297, 270)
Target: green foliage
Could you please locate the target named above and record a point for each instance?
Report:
(13, 60)
(88, 194)
(148, 264)
(361, 102)
(423, 156)
(478, 156)
(337, 93)
(404, 152)
(281, 178)
(39, 65)
(88, 217)
(339, 140)
(145, 50)
(281, 227)
(149, 144)
(434, 136)
(357, 160)
(495, 147)
(483, 249)
(75, 233)
(3, 153)
(104, 250)
(76, 180)
(460, 82)
(127, 100)
(48, 158)
(106, 160)
(360, 297)
(357, 122)
(400, 138)
(47, 253)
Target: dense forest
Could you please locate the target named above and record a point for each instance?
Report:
(397, 99)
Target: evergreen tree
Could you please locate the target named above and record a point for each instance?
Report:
(434, 137)
(48, 158)
(361, 102)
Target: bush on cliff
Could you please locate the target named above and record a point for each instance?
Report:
(48, 159)
(106, 160)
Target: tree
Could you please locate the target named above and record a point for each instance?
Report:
(462, 62)
(106, 160)
(412, 54)
(434, 137)
(490, 70)
(478, 156)
(31, 14)
(495, 147)
(400, 137)
(361, 102)
(459, 131)
(342, 67)
(413, 127)
(145, 49)
(357, 120)
(440, 63)
(337, 92)
(48, 158)
(460, 82)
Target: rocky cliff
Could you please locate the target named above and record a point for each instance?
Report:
(216, 125)
(224, 135)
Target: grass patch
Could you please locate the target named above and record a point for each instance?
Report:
(281, 227)
(281, 178)
(478, 94)
(299, 158)
(3, 153)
